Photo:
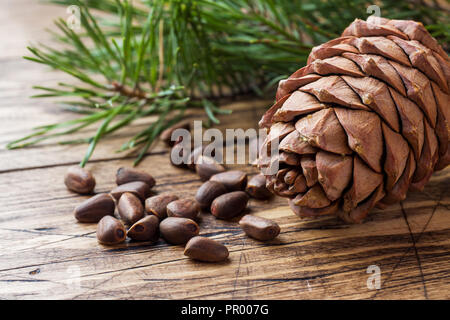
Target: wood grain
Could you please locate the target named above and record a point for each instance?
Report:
(45, 253)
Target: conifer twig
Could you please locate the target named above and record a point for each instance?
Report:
(163, 57)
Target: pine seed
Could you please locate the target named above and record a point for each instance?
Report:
(95, 208)
(179, 151)
(166, 135)
(256, 187)
(126, 175)
(229, 205)
(110, 231)
(193, 157)
(204, 249)
(79, 180)
(259, 228)
(138, 188)
(185, 208)
(130, 208)
(207, 192)
(146, 229)
(178, 230)
(157, 205)
(233, 180)
(206, 167)
(198, 151)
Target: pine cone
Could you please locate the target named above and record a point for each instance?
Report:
(366, 120)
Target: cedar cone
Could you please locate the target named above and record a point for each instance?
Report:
(366, 120)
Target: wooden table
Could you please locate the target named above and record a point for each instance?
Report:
(44, 253)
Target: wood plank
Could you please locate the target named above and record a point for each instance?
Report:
(321, 258)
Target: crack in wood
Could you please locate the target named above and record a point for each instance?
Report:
(410, 247)
(239, 267)
(416, 252)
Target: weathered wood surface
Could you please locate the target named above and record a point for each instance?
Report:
(44, 253)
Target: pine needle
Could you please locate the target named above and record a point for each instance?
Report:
(163, 57)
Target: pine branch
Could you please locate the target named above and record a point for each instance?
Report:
(163, 57)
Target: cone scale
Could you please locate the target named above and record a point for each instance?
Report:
(366, 120)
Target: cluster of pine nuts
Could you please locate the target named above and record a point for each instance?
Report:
(146, 217)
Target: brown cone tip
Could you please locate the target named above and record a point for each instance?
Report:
(366, 120)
